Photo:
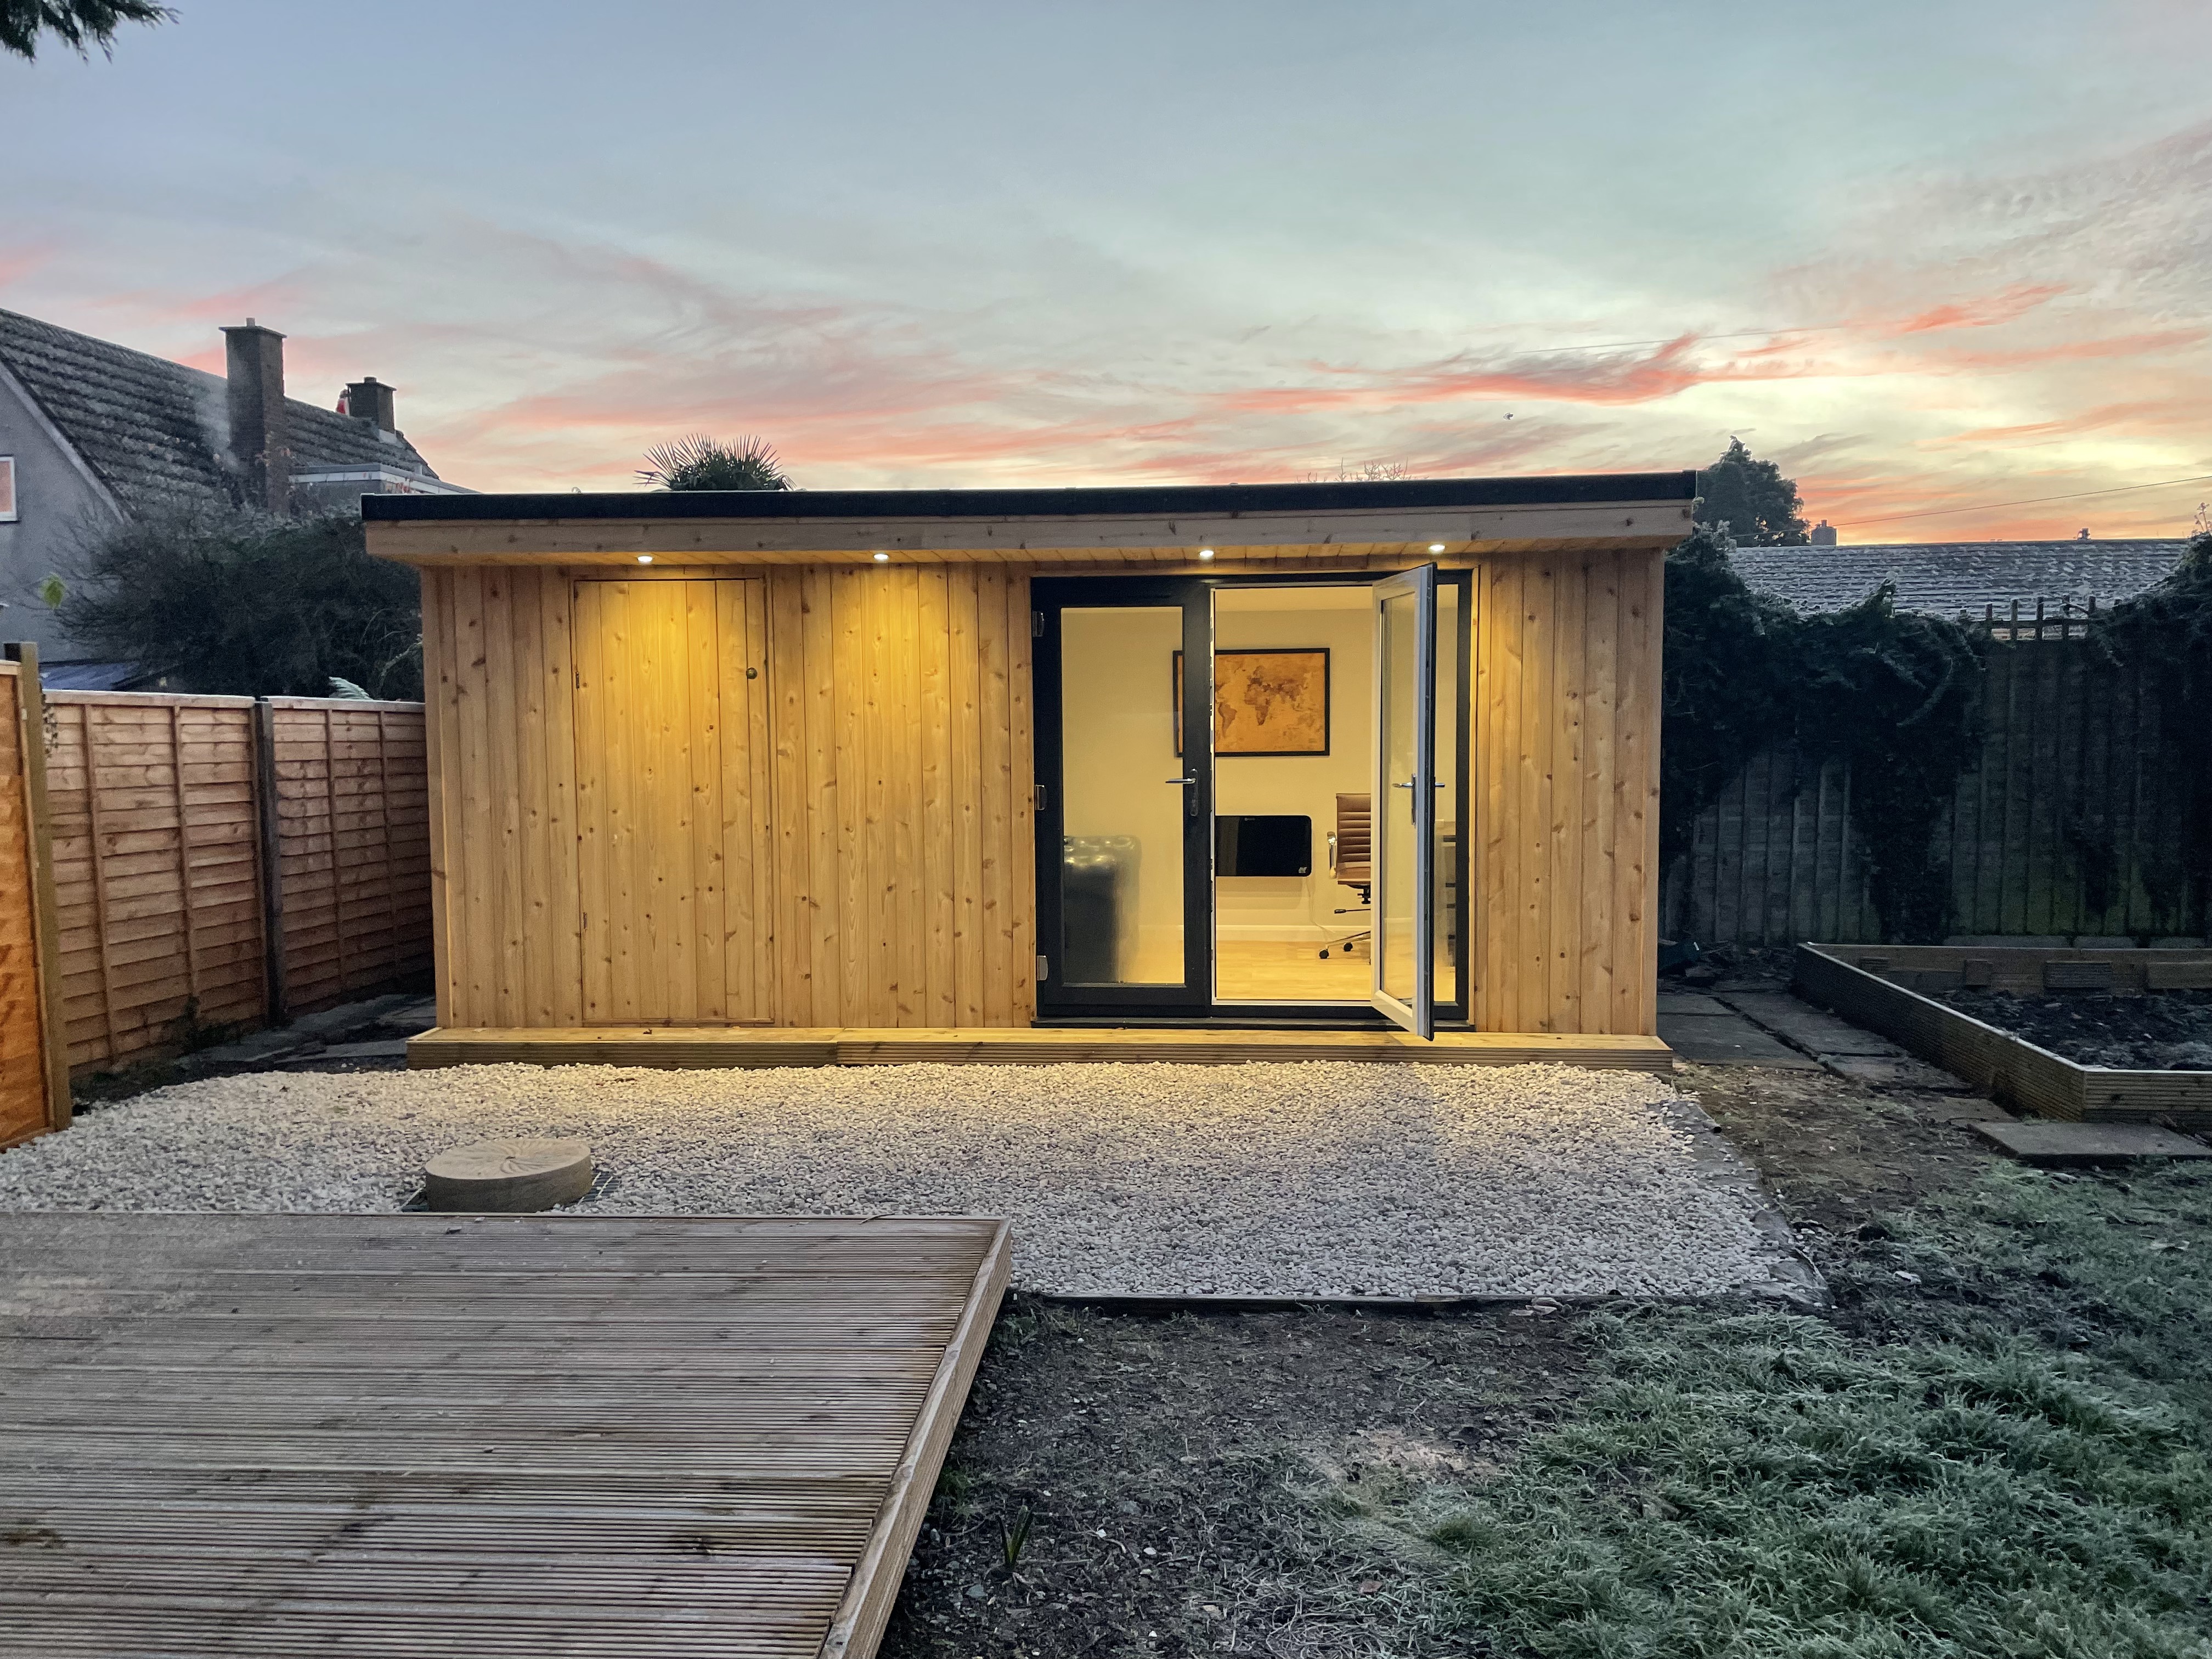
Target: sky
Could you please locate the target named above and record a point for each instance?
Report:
(1940, 259)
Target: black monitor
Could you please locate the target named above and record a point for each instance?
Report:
(1262, 844)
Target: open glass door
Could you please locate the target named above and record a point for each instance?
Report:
(1124, 801)
(1405, 809)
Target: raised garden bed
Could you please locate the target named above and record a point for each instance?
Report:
(2137, 1032)
(1894, 990)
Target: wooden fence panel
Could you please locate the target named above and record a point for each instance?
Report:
(2067, 826)
(152, 818)
(28, 1106)
(155, 811)
(352, 846)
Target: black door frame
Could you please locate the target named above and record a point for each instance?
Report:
(1193, 1004)
(1048, 596)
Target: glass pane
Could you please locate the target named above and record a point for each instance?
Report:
(1394, 804)
(1445, 986)
(1122, 876)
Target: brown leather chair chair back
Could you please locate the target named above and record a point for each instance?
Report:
(1355, 840)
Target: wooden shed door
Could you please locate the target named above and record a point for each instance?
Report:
(671, 795)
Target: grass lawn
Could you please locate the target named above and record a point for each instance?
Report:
(1994, 1442)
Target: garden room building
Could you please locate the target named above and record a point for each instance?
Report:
(1215, 772)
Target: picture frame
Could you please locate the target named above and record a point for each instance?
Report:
(1268, 700)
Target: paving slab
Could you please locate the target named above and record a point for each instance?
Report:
(1729, 1039)
(1690, 1002)
(1812, 1029)
(252, 1050)
(2045, 1141)
(348, 1016)
(382, 1048)
(1903, 1072)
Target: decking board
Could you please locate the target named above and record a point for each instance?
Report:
(431, 1436)
(762, 1047)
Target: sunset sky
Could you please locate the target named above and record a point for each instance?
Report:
(1936, 255)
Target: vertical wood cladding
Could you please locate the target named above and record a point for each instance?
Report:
(1563, 872)
(893, 875)
(889, 743)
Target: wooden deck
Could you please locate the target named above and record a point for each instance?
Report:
(765, 1046)
(445, 1436)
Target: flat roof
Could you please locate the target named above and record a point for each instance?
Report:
(1591, 489)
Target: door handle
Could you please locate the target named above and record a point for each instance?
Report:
(1191, 783)
(1190, 801)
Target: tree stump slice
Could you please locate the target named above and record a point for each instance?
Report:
(518, 1174)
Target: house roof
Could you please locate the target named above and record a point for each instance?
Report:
(1949, 578)
(152, 429)
(1143, 500)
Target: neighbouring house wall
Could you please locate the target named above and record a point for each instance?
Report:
(1563, 865)
(898, 837)
(57, 508)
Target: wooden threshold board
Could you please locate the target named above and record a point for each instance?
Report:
(762, 1046)
(500, 1437)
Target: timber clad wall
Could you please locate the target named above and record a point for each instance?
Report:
(1565, 793)
(885, 870)
(2071, 823)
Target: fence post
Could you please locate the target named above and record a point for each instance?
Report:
(272, 868)
(46, 910)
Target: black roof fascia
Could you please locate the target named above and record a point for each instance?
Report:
(1598, 489)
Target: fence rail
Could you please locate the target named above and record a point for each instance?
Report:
(221, 861)
(2070, 824)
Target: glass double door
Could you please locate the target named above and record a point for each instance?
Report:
(1126, 768)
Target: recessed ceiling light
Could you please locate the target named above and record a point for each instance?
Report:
(1205, 552)
(1436, 547)
(645, 558)
(882, 558)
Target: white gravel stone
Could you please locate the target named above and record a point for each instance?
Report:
(1270, 1180)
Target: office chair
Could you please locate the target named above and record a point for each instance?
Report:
(1350, 854)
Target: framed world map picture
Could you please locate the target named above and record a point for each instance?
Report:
(1266, 703)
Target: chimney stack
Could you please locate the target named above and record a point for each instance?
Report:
(1824, 534)
(369, 399)
(260, 425)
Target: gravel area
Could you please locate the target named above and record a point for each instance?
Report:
(1274, 1181)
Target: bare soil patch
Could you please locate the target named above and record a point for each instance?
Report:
(2156, 1031)
(1251, 1452)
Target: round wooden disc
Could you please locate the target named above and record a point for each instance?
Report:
(510, 1175)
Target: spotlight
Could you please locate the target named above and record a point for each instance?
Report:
(1205, 552)
(645, 558)
(1436, 547)
(882, 558)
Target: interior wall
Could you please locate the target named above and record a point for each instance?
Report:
(899, 832)
(1287, 906)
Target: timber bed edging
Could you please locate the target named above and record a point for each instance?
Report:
(750, 1046)
(2015, 1071)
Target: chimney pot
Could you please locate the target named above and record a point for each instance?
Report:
(260, 424)
(369, 399)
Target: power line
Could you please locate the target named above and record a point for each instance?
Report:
(2030, 500)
